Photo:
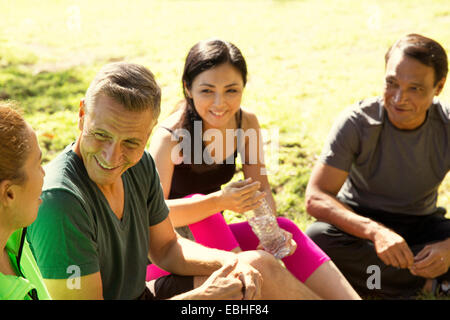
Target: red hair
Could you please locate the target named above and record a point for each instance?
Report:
(14, 143)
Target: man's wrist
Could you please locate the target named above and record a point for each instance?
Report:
(373, 228)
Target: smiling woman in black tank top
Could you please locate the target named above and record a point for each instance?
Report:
(190, 161)
(213, 81)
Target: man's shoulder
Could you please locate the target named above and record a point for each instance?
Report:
(367, 112)
(67, 192)
(443, 110)
(65, 172)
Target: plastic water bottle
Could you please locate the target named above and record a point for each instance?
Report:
(265, 226)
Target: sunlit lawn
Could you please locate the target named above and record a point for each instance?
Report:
(307, 61)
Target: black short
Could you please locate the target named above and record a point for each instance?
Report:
(168, 286)
(353, 256)
(414, 229)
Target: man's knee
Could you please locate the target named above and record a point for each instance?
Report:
(319, 233)
(262, 261)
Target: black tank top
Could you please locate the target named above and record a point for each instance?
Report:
(202, 178)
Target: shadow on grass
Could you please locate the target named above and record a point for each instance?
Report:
(48, 99)
(47, 92)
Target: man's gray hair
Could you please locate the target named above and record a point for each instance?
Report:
(129, 84)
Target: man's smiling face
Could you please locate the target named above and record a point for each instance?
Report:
(113, 139)
(409, 90)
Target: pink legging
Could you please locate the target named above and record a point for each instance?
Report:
(214, 232)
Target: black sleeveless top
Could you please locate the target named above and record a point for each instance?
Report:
(189, 178)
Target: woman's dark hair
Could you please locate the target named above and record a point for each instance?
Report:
(425, 50)
(205, 55)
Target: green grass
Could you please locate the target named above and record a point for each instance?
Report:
(307, 61)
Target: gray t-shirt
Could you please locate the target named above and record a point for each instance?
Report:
(394, 170)
(77, 233)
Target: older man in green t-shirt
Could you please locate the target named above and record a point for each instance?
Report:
(103, 213)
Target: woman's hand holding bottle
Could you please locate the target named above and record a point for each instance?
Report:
(240, 196)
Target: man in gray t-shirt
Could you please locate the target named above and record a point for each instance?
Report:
(375, 187)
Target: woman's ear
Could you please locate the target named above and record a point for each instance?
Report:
(7, 193)
(188, 93)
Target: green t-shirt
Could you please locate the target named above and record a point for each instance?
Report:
(76, 233)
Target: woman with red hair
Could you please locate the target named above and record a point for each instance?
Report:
(21, 179)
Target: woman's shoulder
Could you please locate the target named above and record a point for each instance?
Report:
(249, 119)
(164, 136)
(172, 121)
